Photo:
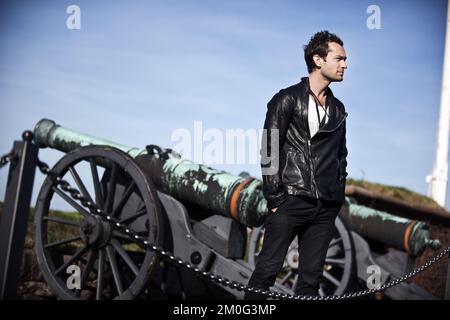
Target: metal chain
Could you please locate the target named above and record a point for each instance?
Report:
(10, 156)
(75, 194)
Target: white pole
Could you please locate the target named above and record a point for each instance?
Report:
(437, 180)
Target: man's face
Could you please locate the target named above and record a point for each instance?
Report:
(334, 65)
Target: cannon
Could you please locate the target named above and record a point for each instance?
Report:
(201, 214)
(411, 236)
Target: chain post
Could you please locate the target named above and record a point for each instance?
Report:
(13, 225)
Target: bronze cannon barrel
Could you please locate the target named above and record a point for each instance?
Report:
(215, 190)
(402, 233)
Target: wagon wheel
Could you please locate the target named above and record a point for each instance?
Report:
(80, 255)
(338, 267)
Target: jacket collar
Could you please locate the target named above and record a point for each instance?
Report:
(334, 112)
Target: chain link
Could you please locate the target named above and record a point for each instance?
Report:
(74, 193)
(9, 157)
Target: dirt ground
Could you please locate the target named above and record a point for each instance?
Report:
(434, 279)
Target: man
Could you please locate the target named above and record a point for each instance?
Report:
(305, 194)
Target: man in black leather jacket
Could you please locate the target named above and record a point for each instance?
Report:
(304, 168)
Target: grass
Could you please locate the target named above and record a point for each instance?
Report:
(61, 232)
(396, 192)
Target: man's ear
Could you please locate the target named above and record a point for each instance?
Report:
(317, 60)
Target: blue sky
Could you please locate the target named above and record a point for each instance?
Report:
(138, 70)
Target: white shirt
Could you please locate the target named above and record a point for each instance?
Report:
(312, 116)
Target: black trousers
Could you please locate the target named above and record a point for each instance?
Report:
(312, 220)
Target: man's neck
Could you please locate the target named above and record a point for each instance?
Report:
(318, 84)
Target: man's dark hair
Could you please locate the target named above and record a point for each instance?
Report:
(318, 44)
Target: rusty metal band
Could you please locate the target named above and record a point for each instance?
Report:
(407, 235)
(234, 199)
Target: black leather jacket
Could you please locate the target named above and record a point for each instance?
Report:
(315, 167)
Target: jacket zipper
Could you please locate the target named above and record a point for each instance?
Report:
(339, 124)
(313, 178)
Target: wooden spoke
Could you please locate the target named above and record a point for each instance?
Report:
(96, 181)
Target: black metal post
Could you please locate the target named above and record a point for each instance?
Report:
(13, 225)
